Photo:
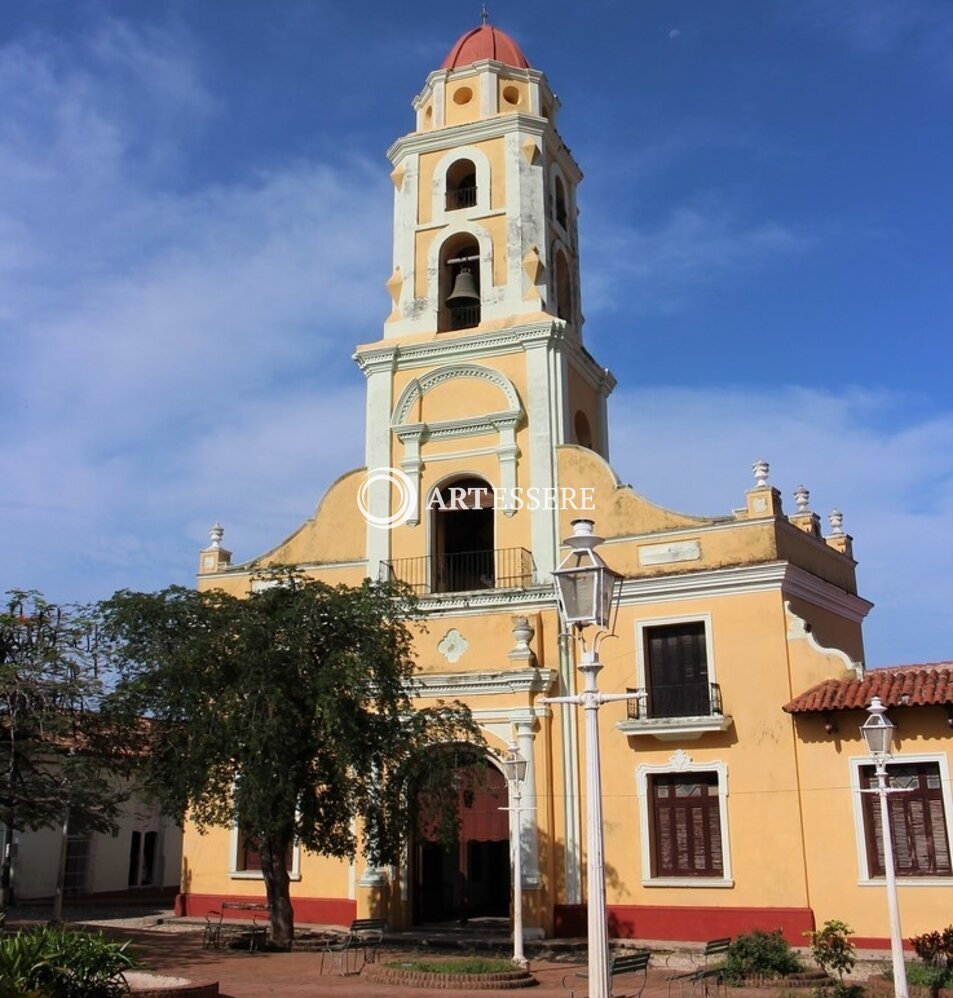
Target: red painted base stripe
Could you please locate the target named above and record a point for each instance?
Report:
(324, 911)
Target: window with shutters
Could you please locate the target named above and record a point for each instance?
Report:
(918, 821)
(686, 825)
(676, 672)
(246, 855)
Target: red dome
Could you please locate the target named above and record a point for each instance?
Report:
(485, 42)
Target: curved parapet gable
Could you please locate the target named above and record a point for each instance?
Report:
(619, 511)
(329, 545)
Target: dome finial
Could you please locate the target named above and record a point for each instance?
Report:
(484, 16)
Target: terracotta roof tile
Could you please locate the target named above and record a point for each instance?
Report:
(897, 686)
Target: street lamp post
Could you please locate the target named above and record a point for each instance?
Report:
(515, 766)
(587, 591)
(878, 733)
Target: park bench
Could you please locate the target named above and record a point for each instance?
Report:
(369, 932)
(704, 974)
(621, 963)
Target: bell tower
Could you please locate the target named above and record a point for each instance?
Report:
(483, 343)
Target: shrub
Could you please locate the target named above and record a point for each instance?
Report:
(59, 963)
(832, 949)
(935, 948)
(760, 954)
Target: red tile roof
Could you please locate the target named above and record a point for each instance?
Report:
(897, 686)
(485, 42)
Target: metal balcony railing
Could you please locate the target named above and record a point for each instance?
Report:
(682, 700)
(462, 197)
(503, 568)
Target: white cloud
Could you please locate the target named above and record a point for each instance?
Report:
(661, 268)
(158, 335)
(692, 450)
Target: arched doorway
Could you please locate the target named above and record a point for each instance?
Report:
(470, 877)
(462, 531)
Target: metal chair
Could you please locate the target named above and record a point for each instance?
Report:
(338, 948)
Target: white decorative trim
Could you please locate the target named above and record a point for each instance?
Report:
(471, 684)
(672, 729)
(419, 387)
(470, 133)
(742, 581)
(453, 646)
(235, 874)
(681, 762)
(477, 602)
(864, 878)
(799, 630)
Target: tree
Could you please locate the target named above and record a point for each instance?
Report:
(287, 712)
(54, 769)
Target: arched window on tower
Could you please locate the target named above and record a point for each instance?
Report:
(461, 185)
(562, 216)
(459, 284)
(462, 532)
(563, 288)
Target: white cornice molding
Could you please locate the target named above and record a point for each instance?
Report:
(470, 684)
(473, 131)
(483, 601)
(778, 576)
(515, 339)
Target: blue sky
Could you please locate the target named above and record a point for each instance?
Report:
(195, 225)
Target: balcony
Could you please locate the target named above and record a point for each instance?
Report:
(462, 197)
(684, 711)
(503, 568)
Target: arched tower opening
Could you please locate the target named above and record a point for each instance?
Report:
(461, 185)
(462, 529)
(561, 212)
(459, 284)
(563, 287)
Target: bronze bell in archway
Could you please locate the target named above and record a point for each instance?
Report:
(464, 289)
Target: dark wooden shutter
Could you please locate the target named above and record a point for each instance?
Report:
(677, 661)
(917, 821)
(686, 825)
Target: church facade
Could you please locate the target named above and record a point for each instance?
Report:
(732, 779)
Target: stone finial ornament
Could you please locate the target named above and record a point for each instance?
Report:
(523, 632)
(761, 470)
(216, 534)
(802, 499)
(837, 522)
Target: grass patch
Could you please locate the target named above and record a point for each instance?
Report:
(458, 965)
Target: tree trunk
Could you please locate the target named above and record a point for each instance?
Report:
(273, 851)
(6, 870)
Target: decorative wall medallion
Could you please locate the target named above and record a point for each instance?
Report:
(680, 760)
(453, 645)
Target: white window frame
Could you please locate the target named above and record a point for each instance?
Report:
(864, 878)
(235, 874)
(641, 626)
(676, 767)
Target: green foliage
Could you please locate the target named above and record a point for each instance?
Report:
(832, 949)
(840, 990)
(290, 709)
(760, 954)
(459, 965)
(54, 755)
(928, 975)
(935, 948)
(54, 962)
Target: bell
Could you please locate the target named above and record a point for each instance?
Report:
(464, 288)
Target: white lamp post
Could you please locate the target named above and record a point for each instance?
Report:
(515, 766)
(878, 734)
(587, 591)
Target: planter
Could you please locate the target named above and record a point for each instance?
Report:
(145, 985)
(379, 974)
